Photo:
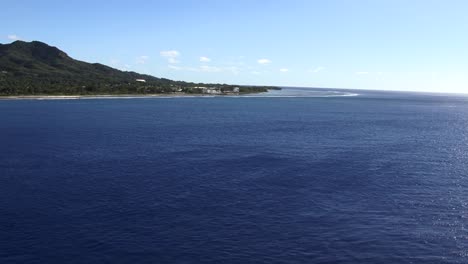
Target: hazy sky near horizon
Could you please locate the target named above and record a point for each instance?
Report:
(370, 44)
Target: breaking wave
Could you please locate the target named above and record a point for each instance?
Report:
(303, 92)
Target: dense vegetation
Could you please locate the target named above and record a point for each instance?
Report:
(35, 68)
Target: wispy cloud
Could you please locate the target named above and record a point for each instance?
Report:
(173, 67)
(362, 73)
(172, 60)
(284, 70)
(142, 59)
(206, 68)
(205, 59)
(13, 37)
(264, 61)
(318, 69)
(171, 55)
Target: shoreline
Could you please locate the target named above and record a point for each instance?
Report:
(109, 96)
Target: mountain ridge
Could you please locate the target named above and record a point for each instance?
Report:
(33, 68)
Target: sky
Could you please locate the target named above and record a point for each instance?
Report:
(412, 45)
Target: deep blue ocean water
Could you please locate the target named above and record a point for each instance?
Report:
(296, 176)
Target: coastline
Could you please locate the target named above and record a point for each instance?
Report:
(110, 96)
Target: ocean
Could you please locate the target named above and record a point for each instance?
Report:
(291, 176)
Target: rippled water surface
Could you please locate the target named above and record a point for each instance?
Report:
(293, 176)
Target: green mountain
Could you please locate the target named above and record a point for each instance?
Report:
(35, 68)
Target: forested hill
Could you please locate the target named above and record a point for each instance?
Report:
(35, 68)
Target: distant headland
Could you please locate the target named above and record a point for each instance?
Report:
(37, 69)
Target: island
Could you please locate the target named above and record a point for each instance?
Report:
(38, 69)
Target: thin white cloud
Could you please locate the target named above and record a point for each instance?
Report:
(205, 59)
(362, 73)
(264, 61)
(172, 60)
(284, 70)
(318, 69)
(142, 59)
(13, 37)
(205, 68)
(256, 72)
(171, 55)
(173, 67)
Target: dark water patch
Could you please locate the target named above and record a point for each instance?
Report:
(362, 179)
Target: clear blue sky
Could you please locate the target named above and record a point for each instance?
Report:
(370, 44)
